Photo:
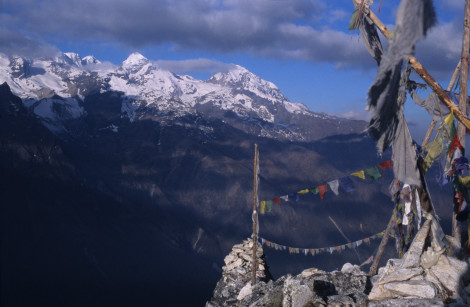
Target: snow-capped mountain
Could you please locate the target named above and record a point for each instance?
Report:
(148, 90)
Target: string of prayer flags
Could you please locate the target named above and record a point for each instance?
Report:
(359, 174)
(346, 183)
(316, 251)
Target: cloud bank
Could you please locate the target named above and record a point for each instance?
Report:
(280, 29)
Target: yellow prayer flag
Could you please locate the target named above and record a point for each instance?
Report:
(449, 120)
(305, 191)
(262, 207)
(359, 174)
(465, 181)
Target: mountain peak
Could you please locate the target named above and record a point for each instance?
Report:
(89, 59)
(135, 59)
(74, 57)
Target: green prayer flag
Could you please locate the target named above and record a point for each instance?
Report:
(352, 22)
(373, 172)
(314, 190)
(269, 204)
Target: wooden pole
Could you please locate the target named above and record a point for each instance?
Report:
(464, 71)
(383, 243)
(424, 75)
(254, 264)
(461, 129)
(449, 88)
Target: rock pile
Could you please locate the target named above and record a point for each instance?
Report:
(235, 283)
(424, 276)
(312, 287)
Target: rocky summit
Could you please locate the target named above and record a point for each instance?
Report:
(427, 275)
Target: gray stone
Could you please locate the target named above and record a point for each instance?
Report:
(296, 293)
(412, 289)
(400, 275)
(340, 300)
(310, 272)
(244, 292)
(379, 292)
(230, 258)
(413, 255)
(233, 265)
(448, 271)
(406, 302)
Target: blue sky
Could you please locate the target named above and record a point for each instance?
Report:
(303, 46)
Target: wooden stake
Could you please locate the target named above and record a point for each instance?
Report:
(461, 129)
(254, 263)
(383, 243)
(424, 75)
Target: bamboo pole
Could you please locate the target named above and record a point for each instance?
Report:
(254, 263)
(424, 74)
(461, 129)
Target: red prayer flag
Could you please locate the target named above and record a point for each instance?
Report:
(384, 165)
(277, 200)
(322, 189)
(455, 143)
(312, 251)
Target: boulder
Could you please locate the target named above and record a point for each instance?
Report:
(421, 289)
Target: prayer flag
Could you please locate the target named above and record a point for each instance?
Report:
(305, 251)
(334, 185)
(349, 245)
(284, 198)
(296, 249)
(262, 207)
(290, 250)
(294, 196)
(367, 240)
(358, 242)
(269, 204)
(346, 184)
(322, 189)
(268, 243)
(373, 173)
(312, 251)
(277, 200)
(384, 165)
(304, 191)
(338, 249)
(314, 190)
(359, 174)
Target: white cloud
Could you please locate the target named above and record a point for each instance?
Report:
(194, 65)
